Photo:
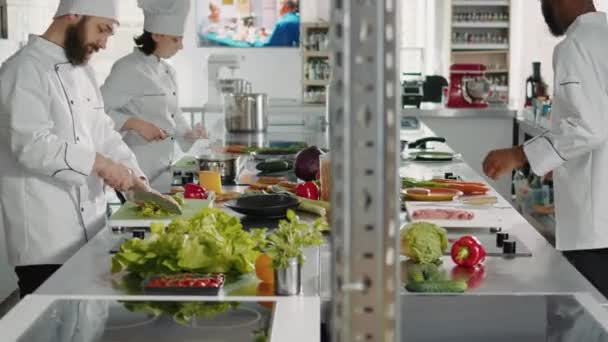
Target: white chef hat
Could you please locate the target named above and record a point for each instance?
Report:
(165, 16)
(97, 8)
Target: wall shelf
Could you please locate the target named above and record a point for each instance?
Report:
(316, 62)
(473, 46)
(480, 24)
(497, 71)
(320, 54)
(480, 3)
(483, 21)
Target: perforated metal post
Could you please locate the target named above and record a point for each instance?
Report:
(364, 107)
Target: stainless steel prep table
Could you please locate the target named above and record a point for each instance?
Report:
(88, 272)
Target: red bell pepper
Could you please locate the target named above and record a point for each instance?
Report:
(468, 251)
(194, 191)
(473, 276)
(308, 190)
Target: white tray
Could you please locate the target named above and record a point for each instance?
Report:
(485, 218)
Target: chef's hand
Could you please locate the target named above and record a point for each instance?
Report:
(114, 174)
(147, 130)
(198, 132)
(140, 183)
(499, 163)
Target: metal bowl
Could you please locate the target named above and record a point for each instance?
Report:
(478, 89)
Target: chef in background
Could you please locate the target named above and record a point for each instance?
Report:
(58, 148)
(141, 93)
(575, 149)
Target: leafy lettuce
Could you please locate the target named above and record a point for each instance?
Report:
(210, 242)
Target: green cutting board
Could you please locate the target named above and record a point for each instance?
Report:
(127, 215)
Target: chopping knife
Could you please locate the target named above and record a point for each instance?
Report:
(141, 194)
(164, 202)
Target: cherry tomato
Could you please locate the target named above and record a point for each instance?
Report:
(199, 283)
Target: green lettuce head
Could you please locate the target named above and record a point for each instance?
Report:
(423, 242)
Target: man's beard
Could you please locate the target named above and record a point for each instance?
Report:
(76, 49)
(554, 27)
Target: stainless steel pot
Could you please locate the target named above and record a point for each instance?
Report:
(246, 112)
(258, 139)
(234, 86)
(227, 166)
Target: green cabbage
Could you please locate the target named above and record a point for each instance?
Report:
(423, 242)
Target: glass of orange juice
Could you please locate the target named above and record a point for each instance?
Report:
(210, 180)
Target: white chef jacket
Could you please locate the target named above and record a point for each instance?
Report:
(52, 124)
(146, 87)
(575, 148)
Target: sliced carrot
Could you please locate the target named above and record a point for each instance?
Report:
(469, 189)
(235, 149)
(451, 181)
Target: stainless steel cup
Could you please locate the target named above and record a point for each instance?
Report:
(288, 281)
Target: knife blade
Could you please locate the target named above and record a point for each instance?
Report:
(162, 201)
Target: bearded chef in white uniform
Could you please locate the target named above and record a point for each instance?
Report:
(58, 148)
(141, 92)
(575, 149)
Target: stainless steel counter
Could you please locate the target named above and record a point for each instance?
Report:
(450, 113)
(88, 272)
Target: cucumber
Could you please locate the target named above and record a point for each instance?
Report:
(445, 286)
(312, 208)
(322, 204)
(273, 166)
(425, 272)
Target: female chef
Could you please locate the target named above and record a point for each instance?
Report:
(141, 92)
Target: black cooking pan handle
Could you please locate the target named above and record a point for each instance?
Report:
(421, 143)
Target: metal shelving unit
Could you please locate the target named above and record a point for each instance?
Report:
(364, 111)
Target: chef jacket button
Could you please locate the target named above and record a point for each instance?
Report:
(88, 99)
(173, 93)
(72, 101)
(172, 115)
(82, 210)
(77, 138)
(172, 138)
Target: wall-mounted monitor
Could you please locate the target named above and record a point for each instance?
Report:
(248, 23)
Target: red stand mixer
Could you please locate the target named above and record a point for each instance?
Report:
(469, 87)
